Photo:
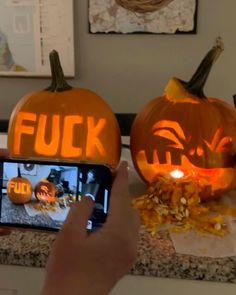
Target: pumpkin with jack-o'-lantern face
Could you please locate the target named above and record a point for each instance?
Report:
(64, 123)
(45, 191)
(185, 130)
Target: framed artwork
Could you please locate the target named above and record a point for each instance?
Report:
(143, 16)
(29, 30)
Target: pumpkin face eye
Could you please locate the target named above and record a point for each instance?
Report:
(170, 130)
(219, 144)
(169, 135)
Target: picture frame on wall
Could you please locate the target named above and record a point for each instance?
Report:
(143, 16)
(30, 30)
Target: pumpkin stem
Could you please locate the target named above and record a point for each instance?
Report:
(18, 171)
(196, 84)
(58, 83)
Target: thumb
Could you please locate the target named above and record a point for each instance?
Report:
(78, 216)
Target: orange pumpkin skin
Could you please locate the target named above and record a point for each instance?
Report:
(45, 192)
(181, 131)
(82, 104)
(65, 124)
(19, 190)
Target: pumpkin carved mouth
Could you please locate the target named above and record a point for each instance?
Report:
(216, 179)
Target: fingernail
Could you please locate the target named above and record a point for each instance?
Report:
(89, 196)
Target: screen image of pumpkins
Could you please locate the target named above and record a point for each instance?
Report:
(186, 131)
(19, 189)
(64, 123)
(45, 191)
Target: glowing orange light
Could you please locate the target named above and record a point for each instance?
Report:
(60, 140)
(177, 174)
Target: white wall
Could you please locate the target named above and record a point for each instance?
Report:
(128, 70)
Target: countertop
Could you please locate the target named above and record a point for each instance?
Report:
(156, 257)
(156, 254)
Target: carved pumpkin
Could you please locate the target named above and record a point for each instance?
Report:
(45, 191)
(64, 123)
(185, 131)
(19, 189)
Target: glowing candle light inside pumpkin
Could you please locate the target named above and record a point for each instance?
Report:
(177, 174)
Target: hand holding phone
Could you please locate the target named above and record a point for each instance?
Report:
(92, 264)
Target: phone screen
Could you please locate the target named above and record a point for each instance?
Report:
(39, 195)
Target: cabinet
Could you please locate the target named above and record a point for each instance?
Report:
(17, 280)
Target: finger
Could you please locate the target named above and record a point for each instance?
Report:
(135, 220)
(120, 187)
(120, 200)
(121, 214)
(78, 216)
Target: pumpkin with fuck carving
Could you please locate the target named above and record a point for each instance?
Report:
(19, 189)
(186, 131)
(64, 123)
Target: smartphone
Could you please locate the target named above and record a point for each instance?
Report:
(36, 194)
